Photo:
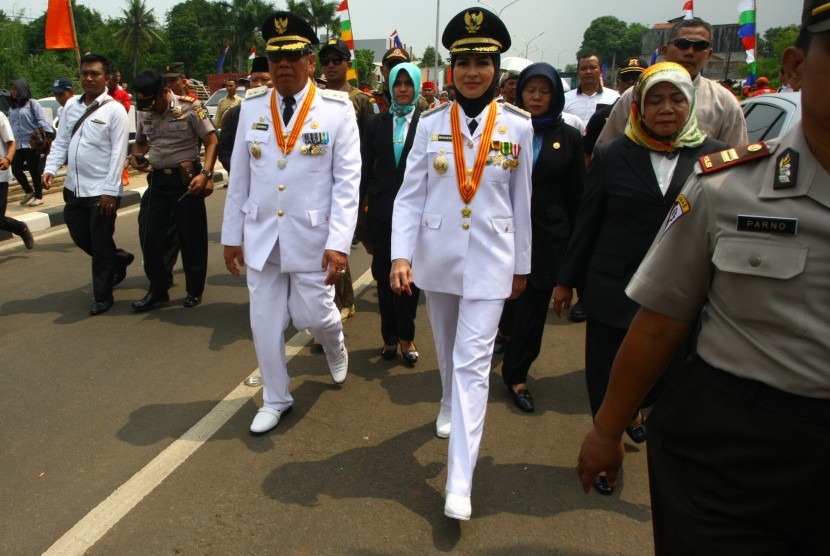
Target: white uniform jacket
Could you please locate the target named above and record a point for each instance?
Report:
(312, 201)
(472, 250)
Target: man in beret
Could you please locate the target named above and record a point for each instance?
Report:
(291, 209)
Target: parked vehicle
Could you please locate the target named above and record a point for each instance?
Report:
(212, 103)
(772, 115)
(50, 109)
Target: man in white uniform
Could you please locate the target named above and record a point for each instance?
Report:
(292, 202)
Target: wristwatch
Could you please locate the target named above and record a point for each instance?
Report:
(207, 173)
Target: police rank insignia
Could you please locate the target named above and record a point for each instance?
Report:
(731, 157)
(680, 207)
(786, 169)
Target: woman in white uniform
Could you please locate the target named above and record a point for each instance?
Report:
(461, 232)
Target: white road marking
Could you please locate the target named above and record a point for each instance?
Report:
(108, 513)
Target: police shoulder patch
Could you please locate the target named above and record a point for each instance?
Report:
(334, 95)
(681, 206)
(255, 92)
(435, 110)
(516, 110)
(715, 162)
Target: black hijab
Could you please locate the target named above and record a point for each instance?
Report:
(553, 118)
(474, 106)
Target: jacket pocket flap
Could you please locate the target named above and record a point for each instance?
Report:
(431, 220)
(503, 225)
(319, 216)
(759, 258)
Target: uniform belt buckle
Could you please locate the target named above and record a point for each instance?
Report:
(169, 171)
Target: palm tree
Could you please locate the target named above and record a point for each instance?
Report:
(244, 18)
(138, 30)
(318, 13)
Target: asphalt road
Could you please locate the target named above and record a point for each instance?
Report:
(128, 433)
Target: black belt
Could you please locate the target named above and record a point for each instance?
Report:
(816, 410)
(167, 171)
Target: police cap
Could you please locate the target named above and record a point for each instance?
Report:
(476, 31)
(816, 16)
(148, 85)
(284, 31)
(62, 84)
(338, 46)
(176, 69)
(395, 54)
(632, 69)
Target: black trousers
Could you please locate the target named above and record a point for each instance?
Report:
(397, 312)
(601, 345)
(529, 313)
(31, 158)
(92, 232)
(190, 216)
(738, 467)
(171, 240)
(8, 224)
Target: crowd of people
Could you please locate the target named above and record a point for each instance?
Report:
(704, 295)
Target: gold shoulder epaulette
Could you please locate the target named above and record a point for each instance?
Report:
(714, 162)
(334, 95)
(435, 110)
(189, 100)
(255, 92)
(516, 110)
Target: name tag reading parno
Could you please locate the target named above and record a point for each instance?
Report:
(767, 224)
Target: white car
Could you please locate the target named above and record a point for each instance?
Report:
(50, 110)
(772, 115)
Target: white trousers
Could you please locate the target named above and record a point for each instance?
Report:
(464, 332)
(305, 299)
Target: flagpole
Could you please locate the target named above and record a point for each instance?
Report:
(437, 13)
(75, 38)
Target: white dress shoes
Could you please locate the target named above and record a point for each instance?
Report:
(266, 419)
(339, 367)
(458, 507)
(443, 425)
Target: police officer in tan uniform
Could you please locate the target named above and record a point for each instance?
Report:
(739, 444)
(169, 128)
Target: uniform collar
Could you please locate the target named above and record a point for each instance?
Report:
(579, 91)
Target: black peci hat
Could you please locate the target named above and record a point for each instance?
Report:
(816, 16)
(284, 31)
(476, 31)
(260, 63)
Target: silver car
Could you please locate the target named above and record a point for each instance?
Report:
(772, 115)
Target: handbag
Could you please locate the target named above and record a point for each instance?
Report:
(40, 140)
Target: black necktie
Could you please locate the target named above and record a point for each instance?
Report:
(472, 125)
(288, 111)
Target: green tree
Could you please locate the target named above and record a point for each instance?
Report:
(243, 19)
(365, 62)
(611, 39)
(196, 34)
(770, 49)
(318, 13)
(428, 59)
(138, 30)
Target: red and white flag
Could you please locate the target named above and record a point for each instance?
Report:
(689, 9)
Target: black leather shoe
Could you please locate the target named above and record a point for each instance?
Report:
(501, 344)
(524, 400)
(191, 301)
(125, 259)
(577, 313)
(637, 433)
(149, 301)
(601, 486)
(388, 353)
(99, 307)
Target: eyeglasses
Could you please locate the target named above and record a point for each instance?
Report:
(292, 56)
(336, 60)
(685, 44)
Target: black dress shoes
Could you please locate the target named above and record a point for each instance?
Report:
(149, 301)
(123, 260)
(523, 400)
(577, 313)
(636, 432)
(388, 353)
(601, 486)
(191, 301)
(99, 307)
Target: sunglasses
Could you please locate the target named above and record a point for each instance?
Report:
(292, 56)
(684, 44)
(336, 60)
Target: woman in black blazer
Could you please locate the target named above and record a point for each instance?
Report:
(558, 176)
(632, 183)
(384, 148)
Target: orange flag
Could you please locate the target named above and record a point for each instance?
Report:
(59, 27)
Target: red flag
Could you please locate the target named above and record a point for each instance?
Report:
(59, 29)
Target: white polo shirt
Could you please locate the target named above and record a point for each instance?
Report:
(584, 106)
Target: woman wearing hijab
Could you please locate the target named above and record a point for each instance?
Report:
(558, 177)
(26, 115)
(384, 151)
(461, 232)
(630, 187)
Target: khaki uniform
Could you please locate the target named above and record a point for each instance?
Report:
(745, 432)
(223, 107)
(173, 138)
(718, 114)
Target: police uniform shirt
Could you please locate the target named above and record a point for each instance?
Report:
(308, 197)
(751, 246)
(470, 249)
(718, 114)
(173, 136)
